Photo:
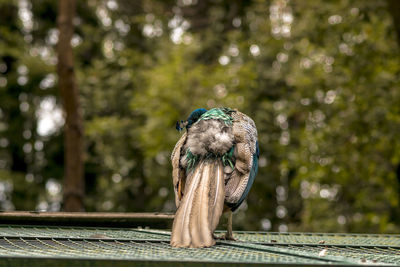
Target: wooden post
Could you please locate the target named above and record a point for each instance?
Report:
(73, 141)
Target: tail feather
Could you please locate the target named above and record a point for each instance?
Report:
(201, 207)
(219, 187)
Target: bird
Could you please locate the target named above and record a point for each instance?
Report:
(214, 164)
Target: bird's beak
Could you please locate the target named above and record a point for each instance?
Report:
(180, 125)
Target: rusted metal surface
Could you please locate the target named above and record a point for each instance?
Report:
(109, 219)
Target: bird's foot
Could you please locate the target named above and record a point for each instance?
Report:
(225, 237)
(217, 237)
(229, 237)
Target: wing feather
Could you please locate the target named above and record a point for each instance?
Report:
(242, 177)
(178, 173)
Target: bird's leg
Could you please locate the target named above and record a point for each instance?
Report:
(229, 234)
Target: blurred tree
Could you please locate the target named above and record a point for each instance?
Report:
(20, 148)
(73, 146)
(320, 78)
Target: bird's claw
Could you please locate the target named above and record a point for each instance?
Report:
(217, 237)
(225, 237)
(229, 237)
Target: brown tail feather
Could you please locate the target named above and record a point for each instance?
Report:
(201, 207)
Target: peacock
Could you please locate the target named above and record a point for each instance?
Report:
(214, 165)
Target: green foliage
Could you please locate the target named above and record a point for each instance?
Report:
(320, 79)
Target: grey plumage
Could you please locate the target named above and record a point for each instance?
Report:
(209, 136)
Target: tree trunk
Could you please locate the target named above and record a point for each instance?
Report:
(394, 9)
(73, 141)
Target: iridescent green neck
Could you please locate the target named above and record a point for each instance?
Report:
(219, 114)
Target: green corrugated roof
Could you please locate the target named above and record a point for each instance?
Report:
(94, 246)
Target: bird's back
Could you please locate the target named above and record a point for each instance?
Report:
(218, 152)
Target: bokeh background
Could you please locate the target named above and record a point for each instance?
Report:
(320, 79)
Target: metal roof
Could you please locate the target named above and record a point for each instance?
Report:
(97, 246)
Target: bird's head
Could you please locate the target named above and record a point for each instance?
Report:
(193, 117)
